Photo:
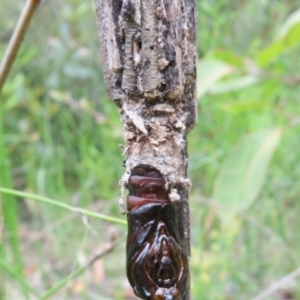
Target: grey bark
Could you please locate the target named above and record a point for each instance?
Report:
(149, 60)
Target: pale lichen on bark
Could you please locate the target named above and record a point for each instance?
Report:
(149, 60)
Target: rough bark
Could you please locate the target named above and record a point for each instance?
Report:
(149, 54)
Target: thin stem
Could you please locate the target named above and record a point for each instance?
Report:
(62, 205)
(76, 273)
(16, 39)
(17, 277)
(278, 285)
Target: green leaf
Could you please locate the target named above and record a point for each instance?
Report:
(231, 85)
(209, 72)
(247, 105)
(244, 172)
(292, 20)
(228, 57)
(288, 37)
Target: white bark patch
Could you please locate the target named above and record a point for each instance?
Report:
(174, 196)
(135, 118)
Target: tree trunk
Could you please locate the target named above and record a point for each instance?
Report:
(149, 60)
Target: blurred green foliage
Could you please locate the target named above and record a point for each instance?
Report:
(60, 138)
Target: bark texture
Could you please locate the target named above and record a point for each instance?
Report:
(149, 60)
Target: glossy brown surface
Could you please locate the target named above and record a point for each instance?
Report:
(156, 266)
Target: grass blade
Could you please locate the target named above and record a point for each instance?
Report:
(76, 273)
(17, 277)
(62, 205)
(9, 209)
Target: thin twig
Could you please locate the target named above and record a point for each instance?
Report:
(108, 249)
(269, 232)
(33, 237)
(77, 272)
(278, 285)
(16, 39)
(75, 104)
(254, 70)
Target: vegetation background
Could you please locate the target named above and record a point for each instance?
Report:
(60, 137)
